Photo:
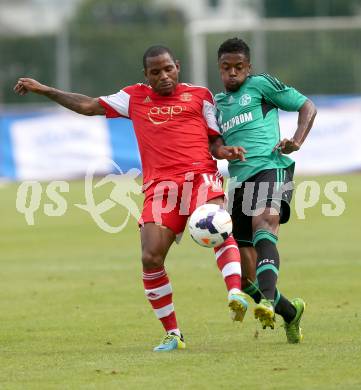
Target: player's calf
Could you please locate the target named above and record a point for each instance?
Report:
(229, 263)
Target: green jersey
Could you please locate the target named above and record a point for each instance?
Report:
(249, 118)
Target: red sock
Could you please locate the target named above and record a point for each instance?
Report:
(158, 290)
(229, 263)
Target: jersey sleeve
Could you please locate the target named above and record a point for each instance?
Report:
(117, 105)
(209, 114)
(281, 95)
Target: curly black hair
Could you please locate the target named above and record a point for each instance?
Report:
(234, 45)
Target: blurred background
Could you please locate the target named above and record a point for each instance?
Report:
(95, 48)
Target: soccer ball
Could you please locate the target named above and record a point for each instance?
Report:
(210, 225)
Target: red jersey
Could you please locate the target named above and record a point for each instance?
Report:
(172, 131)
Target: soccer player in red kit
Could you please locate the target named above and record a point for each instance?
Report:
(176, 128)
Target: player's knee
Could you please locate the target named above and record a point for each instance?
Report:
(151, 260)
(269, 221)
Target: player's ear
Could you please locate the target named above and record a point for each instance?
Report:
(177, 65)
(145, 75)
(249, 69)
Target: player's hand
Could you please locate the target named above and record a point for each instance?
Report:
(287, 146)
(231, 153)
(25, 85)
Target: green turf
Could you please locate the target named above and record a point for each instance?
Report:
(73, 313)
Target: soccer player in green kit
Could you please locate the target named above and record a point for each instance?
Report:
(262, 185)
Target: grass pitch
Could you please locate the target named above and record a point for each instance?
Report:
(74, 315)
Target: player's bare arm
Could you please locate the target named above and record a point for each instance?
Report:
(73, 101)
(306, 116)
(221, 151)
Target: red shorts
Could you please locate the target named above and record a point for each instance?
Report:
(170, 202)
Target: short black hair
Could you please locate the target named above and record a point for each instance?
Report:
(234, 45)
(154, 51)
